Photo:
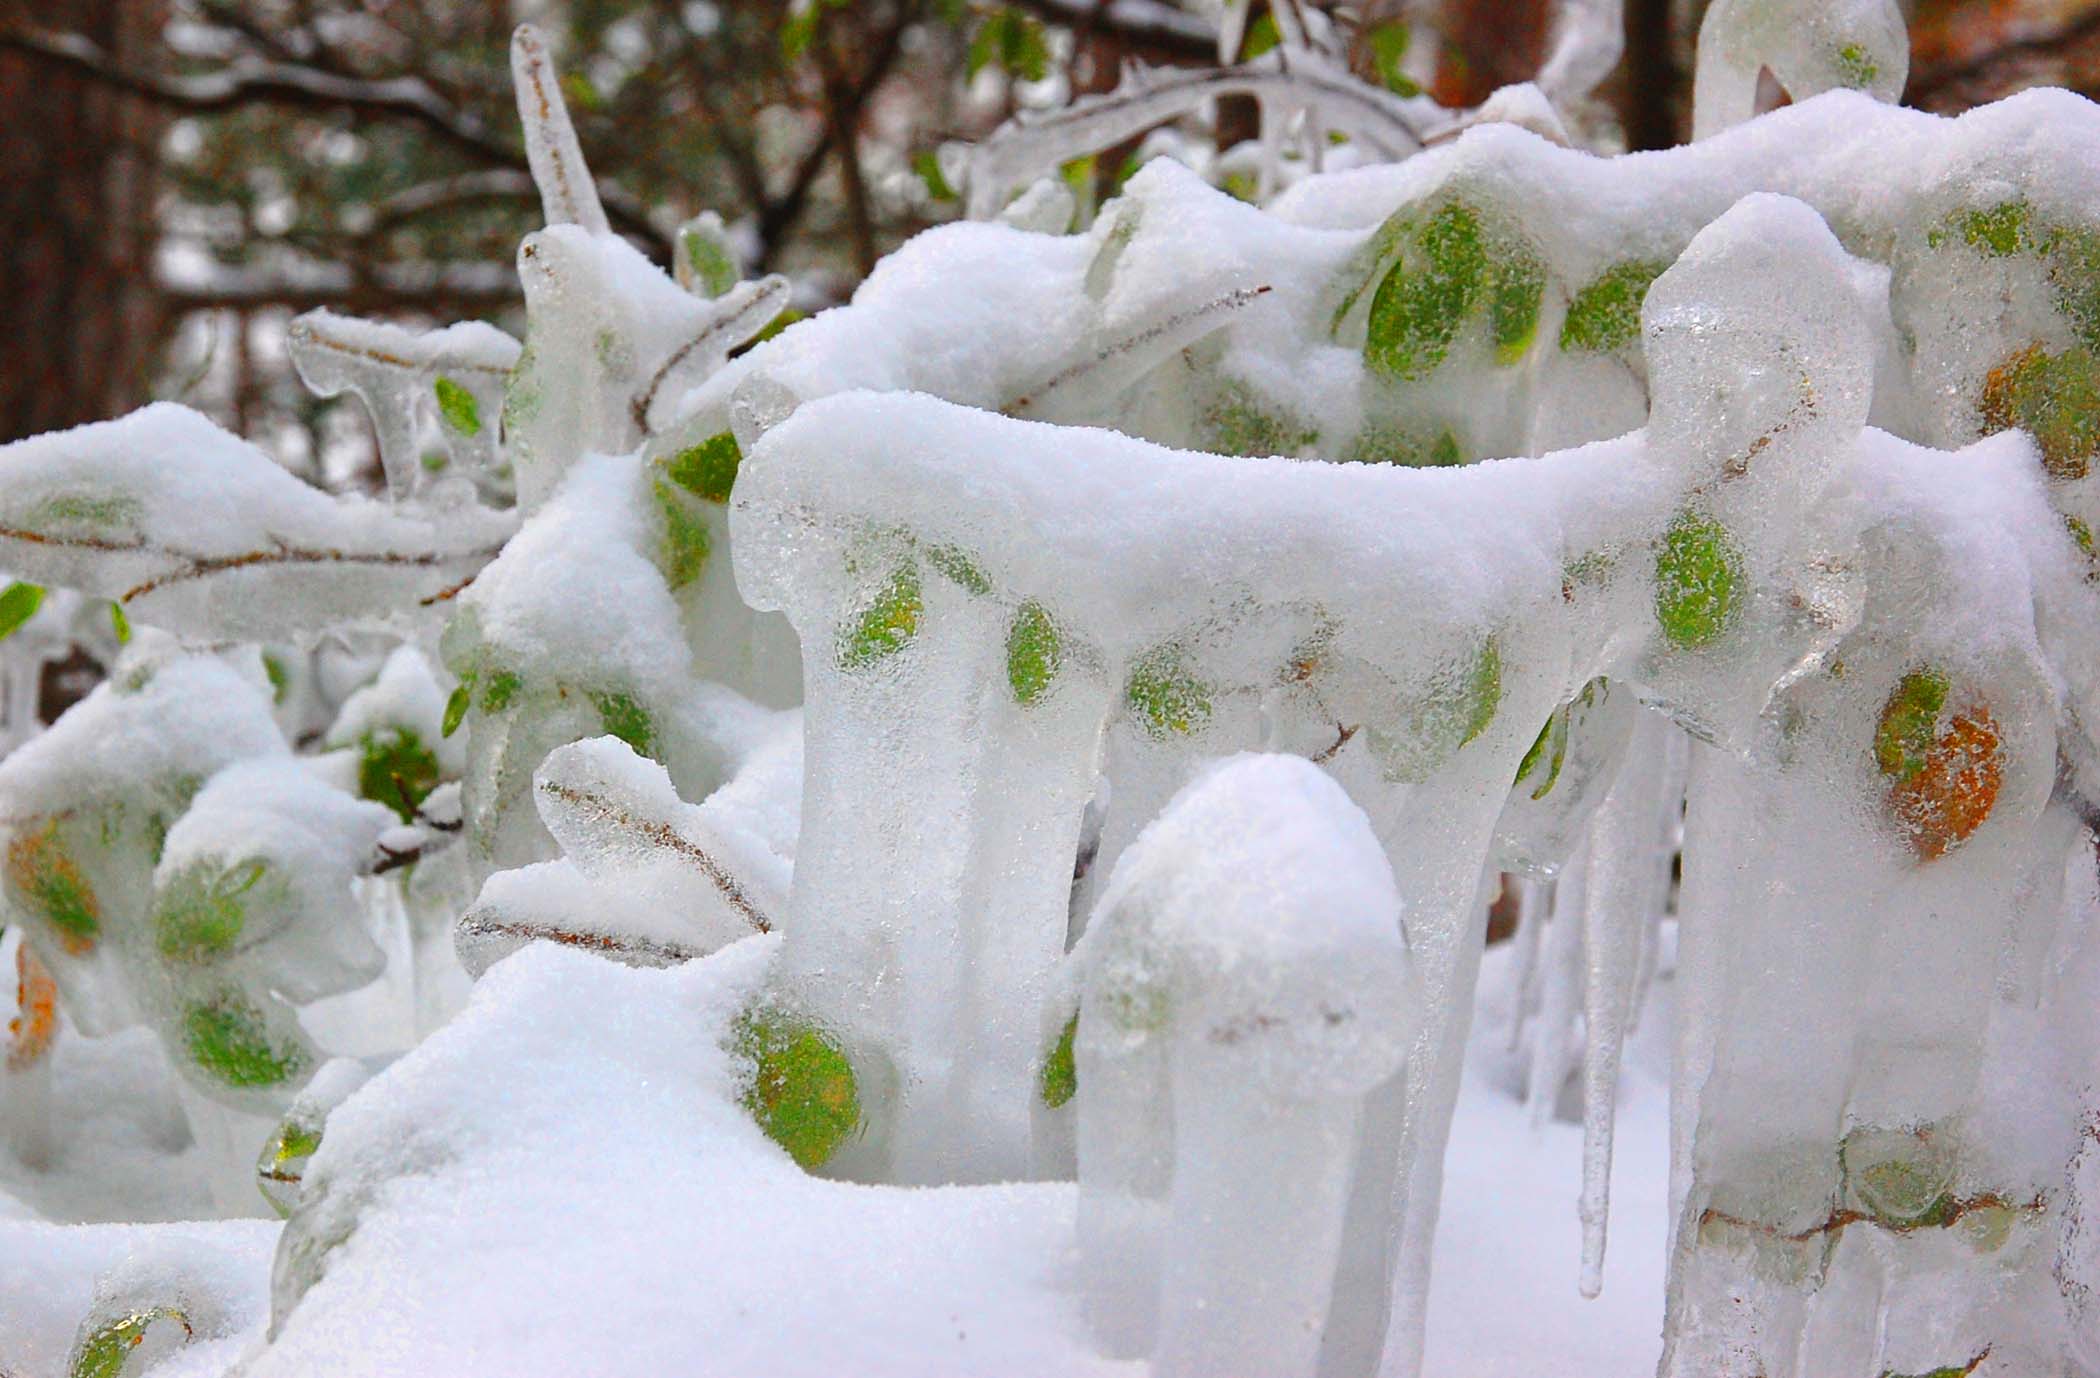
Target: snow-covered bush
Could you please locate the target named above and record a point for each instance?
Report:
(1058, 719)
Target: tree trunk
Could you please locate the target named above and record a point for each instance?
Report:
(79, 316)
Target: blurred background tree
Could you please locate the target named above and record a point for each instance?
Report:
(178, 178)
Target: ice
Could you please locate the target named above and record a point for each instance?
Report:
(568, 193)
(1019, 152)
(704, 1250)
(1908, 794)
(1588, 36)
(1809, 46)
(177, 866)
(65, 1284)
(1237, 1005)
(192, 529)
(89, 800)
(1622, 894)
(644, 877)
(281, 1166)
(987, 641)
(1179, 636)
(578, 629)
(433, 396)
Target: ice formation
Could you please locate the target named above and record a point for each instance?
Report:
(1047, 731)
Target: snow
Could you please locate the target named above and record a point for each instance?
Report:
(693, 1246)
(198, 531)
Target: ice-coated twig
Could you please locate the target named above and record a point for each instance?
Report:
(1024, 149)
(411, 384)
(1588, 36)
(194, 566)
(160, 509)
(733, 317)
(481, 925)
(568, 195)
(1140, 349)
(663, 837)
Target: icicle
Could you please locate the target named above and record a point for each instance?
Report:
(1533, 896)
(1616, 910)
(568, 196)
(1558, 982)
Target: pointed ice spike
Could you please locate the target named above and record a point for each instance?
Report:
(567, 193)
(1614, 915)
(1558, 980)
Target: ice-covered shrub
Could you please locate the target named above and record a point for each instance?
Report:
(880, 674)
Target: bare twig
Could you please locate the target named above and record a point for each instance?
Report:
(302, 86)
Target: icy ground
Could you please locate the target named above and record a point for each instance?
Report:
(594, 1181)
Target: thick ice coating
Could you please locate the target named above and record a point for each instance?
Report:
(1243, 986)
(193, 529)
(1081, 602)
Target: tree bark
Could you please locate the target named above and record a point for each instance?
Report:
(77, 187)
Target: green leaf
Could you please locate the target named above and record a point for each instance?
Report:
(17, 605)
(202, 910)
(1388, 47)
(1012, 41)
(1999, 231)
(1167, 697)
(683, 547)
(888, 624)
(927, 164)
(457, 406)
(279, 677)
(714, 265)
(1034, 653)
(1237, 420)
(1909, 723)
(950, 561)
(1060, 1078)
(1549, 751)
(394, 768)
(457, 705)
(1513, 306)
(708, 469)
(1606, 315)
(498, 692)
(119, 623)
(1262, 35)
(1698, 581)
(104, 1353)
(1417, 311)
(1856, 68)
(787, 317)
(2053, 397)
(624, 717)
(46, 881)
(228, 1038)
(1078, 177)
(802, 1090)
